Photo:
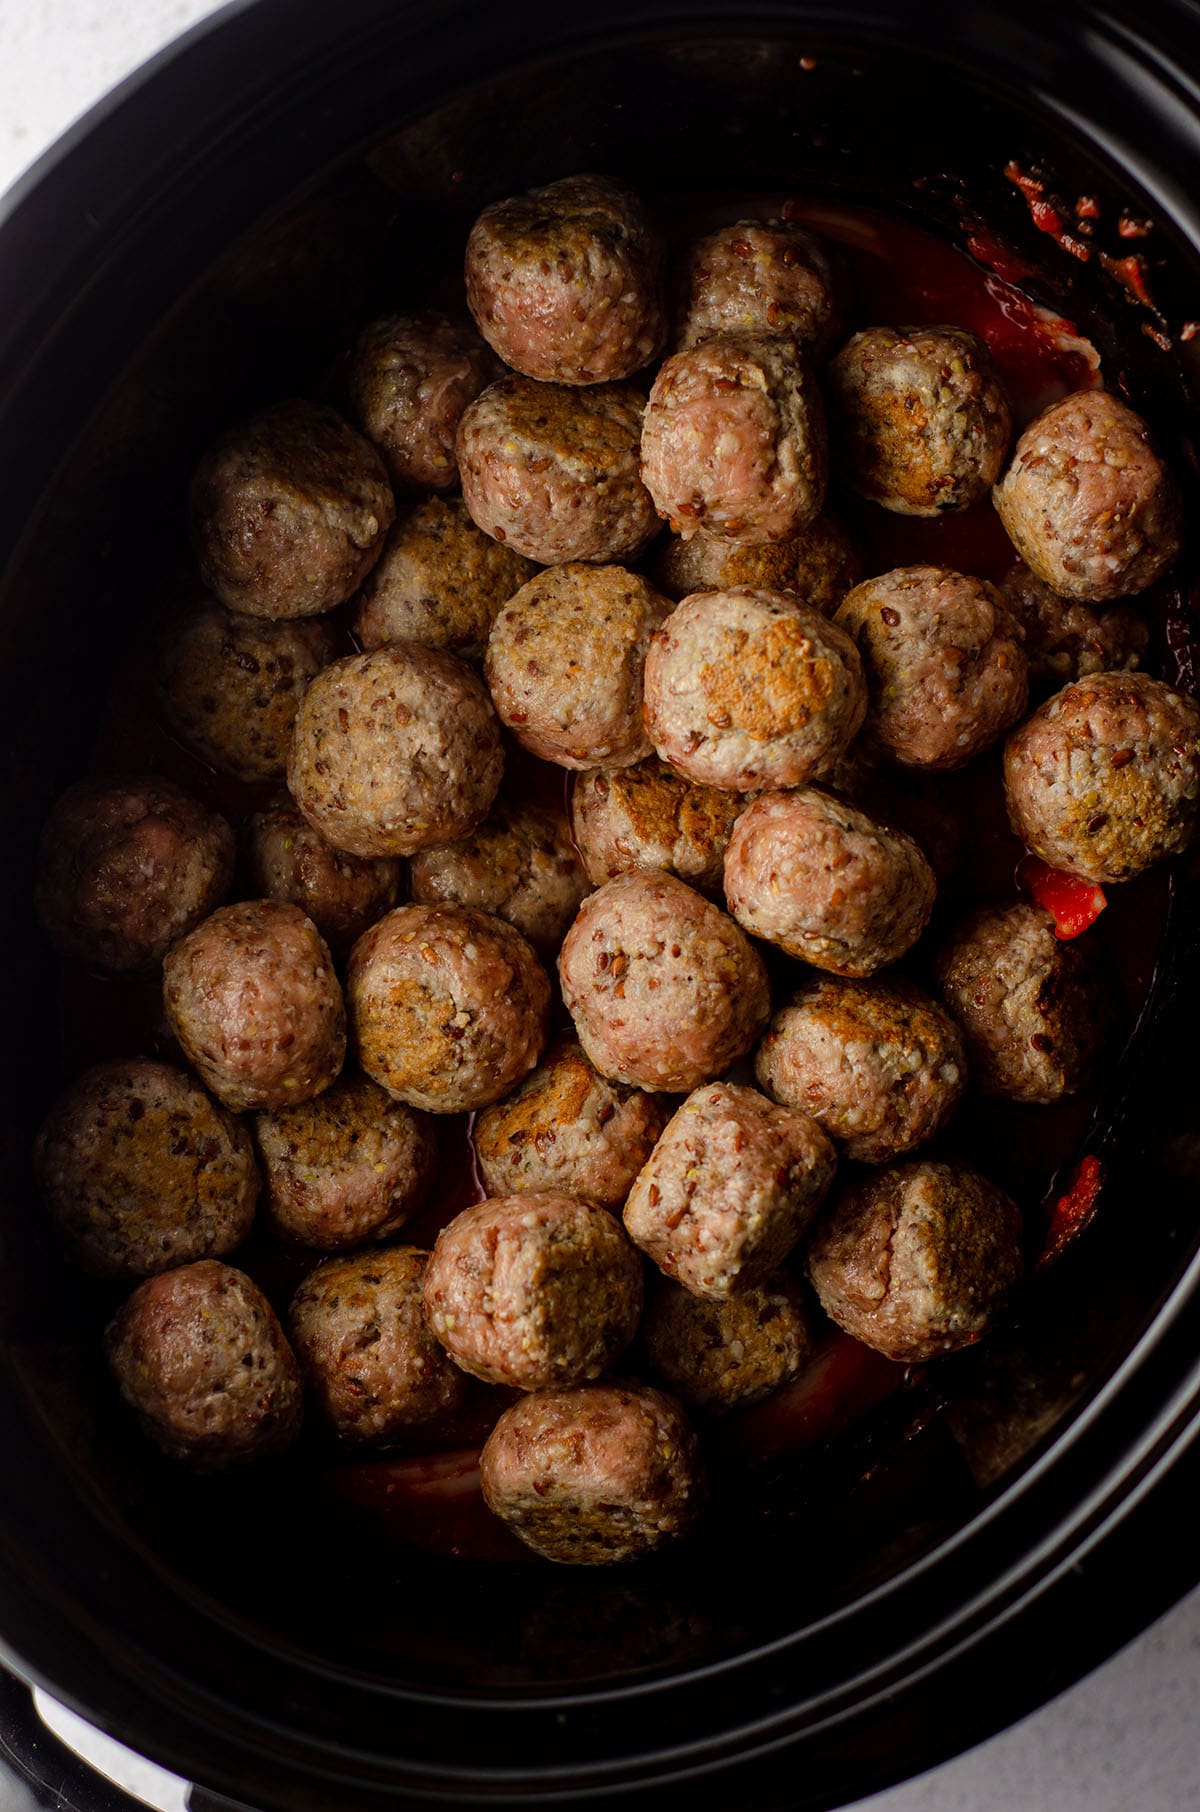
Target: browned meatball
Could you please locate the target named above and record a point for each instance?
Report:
(1104, 779)
(916, 1260)
(748, 689)
(534, 1290)
(944, 663)
(408, 380)
(758, 277)
(395, 750)
(665, 991)
(565, 660)
(1066, 638)
(877, 1064)
(811, 873)
(566, 283)
(567, 1128)
(920, 419)
(734, 440)
(594, 1476)
(648, 816)
(349, 1167)
(440, 581)
(448, 1006)
(253, 1000)
(203, 1363)
(368, 1357)
(1087, 502)
(285, 858)
(554, 473)
(718, 1356)
(126, 866)
(289, 511)
(730, 1188)
(520, 864)
(141, 1171)
(819, 565)
(1033, 1009)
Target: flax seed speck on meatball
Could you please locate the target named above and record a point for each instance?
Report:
(1067, 638)
(408, 379)
(762, 277)
(520, 863)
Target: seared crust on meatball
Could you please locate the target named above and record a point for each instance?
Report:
(648, 816)
(289, 510)
(566, 283)
(567, 1128)
(349, 1167)
(408, 380)
(1104, 779)
(368, 1357)
(760, 277)
(811, 873)
(1033, 1008)
(534, 1290)
(448, 1006)
(734, 440)
(440, 581)
(1087, 502)
(253, 1000)
(718, 1356)
(819, 565)
(920, 419)
(596, 1475)
(665, 990)
(284, 857)
(554, 472)
(141, 1171)
(729, 1189)
(944, 663)
(201, 1360)
(916, 1260)
(564, 664)
(520, 863)
(395, 750)
(877, 1064)
(1068, 639)
(748, 689)
(126, 865)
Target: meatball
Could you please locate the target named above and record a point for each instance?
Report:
(349, 1167)
(1033, 1009)
(664, 990)
(759, 277)
(915, 1260)
(819, 565)
(201, 1360)
(734, 440)
(359, 1331)
(594, 1476)
(567, 1128)
(284, 858)
(448, 1006)
(395, 750)
(554, 473)
(230, 686)
(253, 1000)
(811, 873)
(748, 689)
(877, 1064)
(565, 660)
(1104, 779)
(648, 816)
(729, 1189)
(408, 380)
(440, 581)
(289, 511)
(127, 865)
(718, 1356)
(945, 667)
(534, 1290)
(1087, 502)
(141, 1171)
(520, 864)
(1066, 638)
(566, 283)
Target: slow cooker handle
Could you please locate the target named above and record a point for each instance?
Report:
(38, 1773)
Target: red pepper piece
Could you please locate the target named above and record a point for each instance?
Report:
(1072, 904)
(1071, 1211)
(434, 1503)
(837, 1387)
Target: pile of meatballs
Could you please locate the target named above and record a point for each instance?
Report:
(699, 1084)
